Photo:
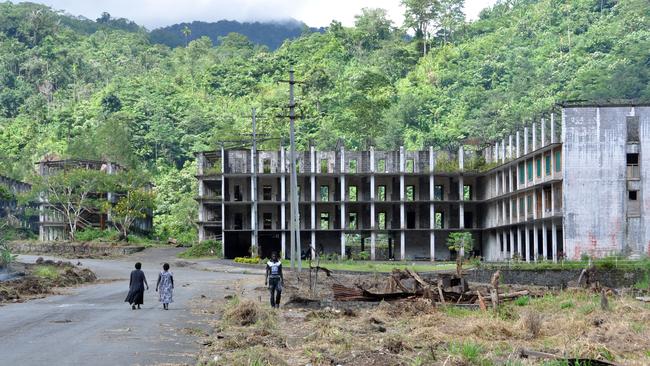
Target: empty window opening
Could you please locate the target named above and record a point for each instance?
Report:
(438, 192)
(547, 198)
(521, 206)
(547, 160)
(632, 195)
(268, 221)
(410, 193)
(352, 220)
(410, 220)
(529, 168)
(529, 203)
(410, 166)
(324, 220)
(381, 221)
(352, 166)
(214, 167)
(297, 166)
(439, 220)
(267, 193)
(381, 193)
(632, 159)
(352, 193)
(266, 166)
(324, 166)
(324, 193)
(467, 192)
(381, 166)
(238, 221)
(538, 163)
(238, 195)
(298, 192)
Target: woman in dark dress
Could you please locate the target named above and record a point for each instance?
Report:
(136, 287)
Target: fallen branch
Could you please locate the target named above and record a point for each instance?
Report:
(524, 353)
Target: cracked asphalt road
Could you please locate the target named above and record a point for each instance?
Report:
(92, 324)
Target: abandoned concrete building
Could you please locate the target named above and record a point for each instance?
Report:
(51, 223)
(567, 185)
(9, 208)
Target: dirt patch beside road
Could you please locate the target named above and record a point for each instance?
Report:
(27, 281)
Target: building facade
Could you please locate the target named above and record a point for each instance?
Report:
(567, 185)
(52, 226)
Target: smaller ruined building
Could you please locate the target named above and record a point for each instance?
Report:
(52, 226)
(9, 209)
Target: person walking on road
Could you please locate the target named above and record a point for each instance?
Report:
(166, 286)
(274, 279)
(137, 284)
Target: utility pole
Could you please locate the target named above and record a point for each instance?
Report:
(296, 250)
(254, 241)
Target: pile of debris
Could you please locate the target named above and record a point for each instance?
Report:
(443, 288)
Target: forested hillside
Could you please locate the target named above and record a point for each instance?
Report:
(271, 35)
(72, 88)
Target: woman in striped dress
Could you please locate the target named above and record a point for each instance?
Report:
(165, 286)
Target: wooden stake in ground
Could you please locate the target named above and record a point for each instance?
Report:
(604, 303)
(494, 292)
(481, 303)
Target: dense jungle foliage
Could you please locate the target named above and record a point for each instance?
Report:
(72, 87)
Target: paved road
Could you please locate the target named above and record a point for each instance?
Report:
(92, 325)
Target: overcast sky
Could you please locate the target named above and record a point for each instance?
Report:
(315, 13)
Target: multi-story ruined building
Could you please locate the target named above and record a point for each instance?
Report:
(567, 185)
(51, 223)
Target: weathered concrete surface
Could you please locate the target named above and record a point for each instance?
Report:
(557, 278)
(73, 248)
(92, 324)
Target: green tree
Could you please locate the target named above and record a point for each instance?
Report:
(461, 242)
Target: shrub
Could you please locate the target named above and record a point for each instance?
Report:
(247, 260)
(522, 301)
(362, 256)
(49, 272)
(533, 323)
(207, 248)
(6, 257)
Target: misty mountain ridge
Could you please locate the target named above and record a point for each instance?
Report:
(268, 33)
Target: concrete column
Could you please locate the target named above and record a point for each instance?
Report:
(554, 241)
(525, 141)
(343, 197)
(543, 132)
(511, 181)
(504, 181)
(373, 225)
(312, 205)
(543, 202)
(544, 242)
(223, 205)
(535, 241)
(534, 193)
(499, 244)
(519, 242)
(503, 150)
(552, 198)
(497, 191)
(402, 198)
(254, 205)
(534, 136)
(283, 206)
(432, 211)
(553, 138)
(527, 241)
(510, 155)
(517, 146)
(504, 239)
(512, 242)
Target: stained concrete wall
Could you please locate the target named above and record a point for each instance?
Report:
(643, 114)
(595, 180)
